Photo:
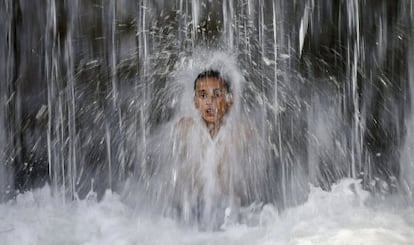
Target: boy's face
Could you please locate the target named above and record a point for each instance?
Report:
(210, 99)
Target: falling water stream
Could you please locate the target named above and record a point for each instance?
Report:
(100, 141)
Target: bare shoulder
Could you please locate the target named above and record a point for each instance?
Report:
(184, 126)
(185, 122)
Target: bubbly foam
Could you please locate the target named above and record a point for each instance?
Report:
(342, 216)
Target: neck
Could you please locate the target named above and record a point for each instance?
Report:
(213, 128)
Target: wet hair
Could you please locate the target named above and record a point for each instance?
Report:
(214, 74)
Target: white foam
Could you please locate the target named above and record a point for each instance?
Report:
(338, 217)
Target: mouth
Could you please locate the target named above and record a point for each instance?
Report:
(211, 112)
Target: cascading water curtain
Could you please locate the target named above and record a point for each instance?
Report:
(83, 84)
(407, 162)
(6, 76)
(62, 140)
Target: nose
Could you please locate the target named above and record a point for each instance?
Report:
(210, 100)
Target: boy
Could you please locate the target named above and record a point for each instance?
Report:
(210, 171)
(199, 157)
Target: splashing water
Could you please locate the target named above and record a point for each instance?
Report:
(98, 95)
(199, 176)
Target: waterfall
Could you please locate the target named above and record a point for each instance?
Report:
(87, 87)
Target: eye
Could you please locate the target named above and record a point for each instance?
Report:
(202, 95)
(217, 93)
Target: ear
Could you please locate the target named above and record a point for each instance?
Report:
(229, 100)
(195, 102)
